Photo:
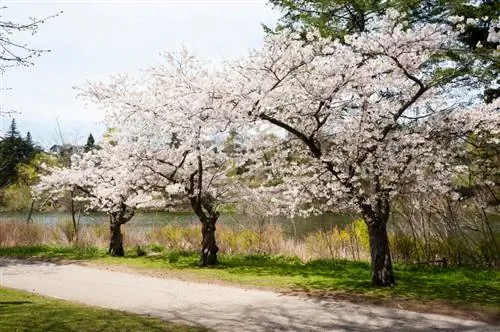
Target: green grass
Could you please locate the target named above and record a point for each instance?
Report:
(23, 311)
(458, 287)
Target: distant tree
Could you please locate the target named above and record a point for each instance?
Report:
(13, 132)
(29, 140)
(90, 145)
(14, 150)
(17, 196)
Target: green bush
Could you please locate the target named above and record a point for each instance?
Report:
(156, 248)
(140, 251)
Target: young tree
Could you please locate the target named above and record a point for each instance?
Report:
(365, 117)
(108, 181)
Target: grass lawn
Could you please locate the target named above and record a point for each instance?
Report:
(23, 311)
(464, 292)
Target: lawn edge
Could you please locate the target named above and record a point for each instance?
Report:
(439, 307)
(78, 305)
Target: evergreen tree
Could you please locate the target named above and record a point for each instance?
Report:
(90, 145)
(29, 140)
(14, 150)
(13, 133)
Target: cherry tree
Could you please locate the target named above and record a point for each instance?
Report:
(359, 120)
(108, 181)
(164, 119)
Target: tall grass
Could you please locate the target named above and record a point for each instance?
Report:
(350, 242)
(269, 239)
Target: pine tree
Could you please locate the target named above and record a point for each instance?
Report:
(14, 150)
(29, 139)
(90, 143)
(13, 133)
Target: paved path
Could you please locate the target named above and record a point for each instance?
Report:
(222, 308)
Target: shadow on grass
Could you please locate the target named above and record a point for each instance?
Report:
(458, 286)
(27, 312)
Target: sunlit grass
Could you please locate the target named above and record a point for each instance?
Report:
(23, 311)
(459, 286)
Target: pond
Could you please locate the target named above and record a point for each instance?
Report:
(295, 228)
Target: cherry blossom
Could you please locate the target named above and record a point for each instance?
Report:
(363, 120)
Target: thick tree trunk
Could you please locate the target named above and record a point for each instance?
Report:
(381, 264)
(116, 241)
(209, 247)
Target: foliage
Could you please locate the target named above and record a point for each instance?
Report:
(461, 241)
(357, 123)
(337, 18)
(14, 150)
(103, 178)
(23, 311)
(17, 196)
(367, 116)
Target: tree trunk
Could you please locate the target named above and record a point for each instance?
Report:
(209, 247)
(32, 207)
(76, 222)
(381, 264)
(116, 241)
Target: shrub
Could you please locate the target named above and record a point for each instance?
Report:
(140, 251)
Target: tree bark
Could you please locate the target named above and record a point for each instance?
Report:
(116, 220)
(209, 246)
(202, 203)
(32, 207)
(381, 264)
(76, 222)
(116, 241)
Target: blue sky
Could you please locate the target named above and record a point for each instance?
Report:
(94, 39)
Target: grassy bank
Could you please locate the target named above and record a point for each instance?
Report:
(22, 311)
(471, 293)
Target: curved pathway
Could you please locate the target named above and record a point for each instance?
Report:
(222, 308)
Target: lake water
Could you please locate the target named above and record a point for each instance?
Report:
(296, 228)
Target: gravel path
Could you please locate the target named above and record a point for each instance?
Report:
(222, 308)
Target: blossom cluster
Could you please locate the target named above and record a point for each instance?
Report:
(324, 125)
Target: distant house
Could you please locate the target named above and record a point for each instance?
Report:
(65, 151)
